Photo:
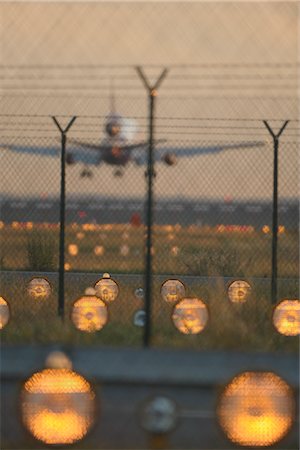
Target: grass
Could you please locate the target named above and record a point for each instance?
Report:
(202, 252)
(241, 327)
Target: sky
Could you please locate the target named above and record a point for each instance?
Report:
(200, 42)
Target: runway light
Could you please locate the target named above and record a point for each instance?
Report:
(139, 318)
(175, 251)
(4, 313)
(286, 317)
(172, 291)
(239, 291)
(139, 293)
(73, 249)
(89, 314)
(90, 291)
(39, 288)
(107, 289)
(256, 409)
(99, 250)
(158, 415)
(57, 404)
(124, 250)
(190, 316)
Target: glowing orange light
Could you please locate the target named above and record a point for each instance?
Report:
(107, 289)
(190, 316)
(99, 250)
(80, 235)
(286, 317)
(266, 229)
(239, 291)
(67, 266)
(39, 288)
(4, 313)
(73, 249)
(172, 291)
(256, 409)
(57, 406)
(89, 314)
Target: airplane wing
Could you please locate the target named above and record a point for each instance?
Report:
(169, 155)
(74, 154)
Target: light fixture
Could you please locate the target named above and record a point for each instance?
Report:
(57, 404)
(256, 409)
(89, 314)
(139, 293)
(190, 316)
(73, 249)
(286, 317)
(4, 313)
(39, 288)
(239, 291)
(139, 318)
(172, 291)
(158, 415)
(107, 289)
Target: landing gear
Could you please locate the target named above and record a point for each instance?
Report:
(118, 173)
(86, 173)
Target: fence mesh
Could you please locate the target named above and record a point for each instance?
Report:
(213, 183)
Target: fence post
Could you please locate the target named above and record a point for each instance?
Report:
(61, 268)
(275, 209)
(152, 94)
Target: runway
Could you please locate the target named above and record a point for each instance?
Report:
(102, 210)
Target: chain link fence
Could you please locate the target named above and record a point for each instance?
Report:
(213, 179)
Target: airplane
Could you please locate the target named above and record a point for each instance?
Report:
(118, 148)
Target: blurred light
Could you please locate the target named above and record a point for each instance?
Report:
(99, 250)
(107, 289)
(286, 317)
(158, 415)
(124, 250)
(29, 225)
(175, 250)
(39, 288)
(90, 291)
(172, 291)
(1, 225)
(139, 293)
(139, 318)
(73, 249)
(80, 235)
(4, 313)
(266, 229)
(67, 266)
(171, 236)
(89, 314)
(190, 316)
(239, 291)
(58, 406)
(256, 409)
(281, 229)
(58, 360)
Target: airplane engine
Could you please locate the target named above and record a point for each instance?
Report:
(70, 159)
(170, 159)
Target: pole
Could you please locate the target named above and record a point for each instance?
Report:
(275, 210)
(62, 215)
(152, 94)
